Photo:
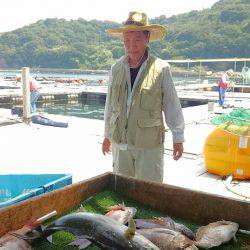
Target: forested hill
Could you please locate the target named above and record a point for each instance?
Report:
(219, 32)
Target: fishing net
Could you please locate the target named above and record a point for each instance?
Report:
(237, 122)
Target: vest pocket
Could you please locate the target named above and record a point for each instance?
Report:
(149, 133)
(149, 122)
(150, 99)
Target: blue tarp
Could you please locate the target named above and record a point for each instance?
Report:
(37, 119)
(48, 122)
(15, 188)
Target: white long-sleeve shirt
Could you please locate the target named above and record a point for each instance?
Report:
(170, 106)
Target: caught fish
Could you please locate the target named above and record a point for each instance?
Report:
(167, 239)
(15, 244)
(10, 242)
(97, 228)
(121, 213)
(216, 233)
(165, 222)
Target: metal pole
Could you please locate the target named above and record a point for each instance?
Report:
(200, 73)
(26, 94)
(235, 65)
(244, 80)
(187, 72)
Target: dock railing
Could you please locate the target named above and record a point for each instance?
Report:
(224, 64)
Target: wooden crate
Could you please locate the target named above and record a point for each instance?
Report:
(198, 207)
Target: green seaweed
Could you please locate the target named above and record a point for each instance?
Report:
(100, 203)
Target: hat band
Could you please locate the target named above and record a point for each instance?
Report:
(134, 22)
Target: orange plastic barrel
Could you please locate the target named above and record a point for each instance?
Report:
(227, 153)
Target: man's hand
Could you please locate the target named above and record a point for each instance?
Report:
(178, 150)
(106, 146)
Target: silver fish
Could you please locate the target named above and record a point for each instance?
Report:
(15, 244)
(216, 233)
(165, 222)
(10, 242)
(97, 228)
(121, 213)
(167, 239)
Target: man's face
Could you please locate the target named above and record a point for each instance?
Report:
(135, 43)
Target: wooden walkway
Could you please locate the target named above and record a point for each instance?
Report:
(77, 150)
(189, 171)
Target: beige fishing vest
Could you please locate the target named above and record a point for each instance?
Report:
(144, 127)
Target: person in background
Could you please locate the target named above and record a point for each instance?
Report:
(34, 93)
(140, 90)
(223, 85)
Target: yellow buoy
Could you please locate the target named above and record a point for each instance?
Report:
(227, 153)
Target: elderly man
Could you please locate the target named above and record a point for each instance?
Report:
(140, 90)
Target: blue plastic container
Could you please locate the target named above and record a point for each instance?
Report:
(15, 188)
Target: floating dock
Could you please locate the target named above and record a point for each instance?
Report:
(77, 150)
(191, 94)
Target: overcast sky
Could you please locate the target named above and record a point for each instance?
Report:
(17, 13)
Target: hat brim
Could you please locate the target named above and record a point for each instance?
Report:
(157, 32)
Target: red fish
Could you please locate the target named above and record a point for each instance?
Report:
(167, 239)
(121, 213)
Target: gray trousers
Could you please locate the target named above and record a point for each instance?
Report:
(144, 164)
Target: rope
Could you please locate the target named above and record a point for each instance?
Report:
(231, 189)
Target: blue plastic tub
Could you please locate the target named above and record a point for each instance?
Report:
(15, 188)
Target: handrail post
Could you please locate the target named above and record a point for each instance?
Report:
(244, 81)
(235, 68)
(187, 73)
(200, 73)
(26, 94)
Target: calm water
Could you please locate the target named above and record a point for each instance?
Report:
(92, 109)
(91, 77)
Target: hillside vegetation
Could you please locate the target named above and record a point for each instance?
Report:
(219, 32)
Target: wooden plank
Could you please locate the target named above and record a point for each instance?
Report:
(199, 207)
(207, 181)
(191, 156)
(195, 136)
(61, 200)
(183, 167)
(245, 184)
(26, 94)
(220, 189)
(203, 182)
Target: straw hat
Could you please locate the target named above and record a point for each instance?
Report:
(230, 72)
(139, 22)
